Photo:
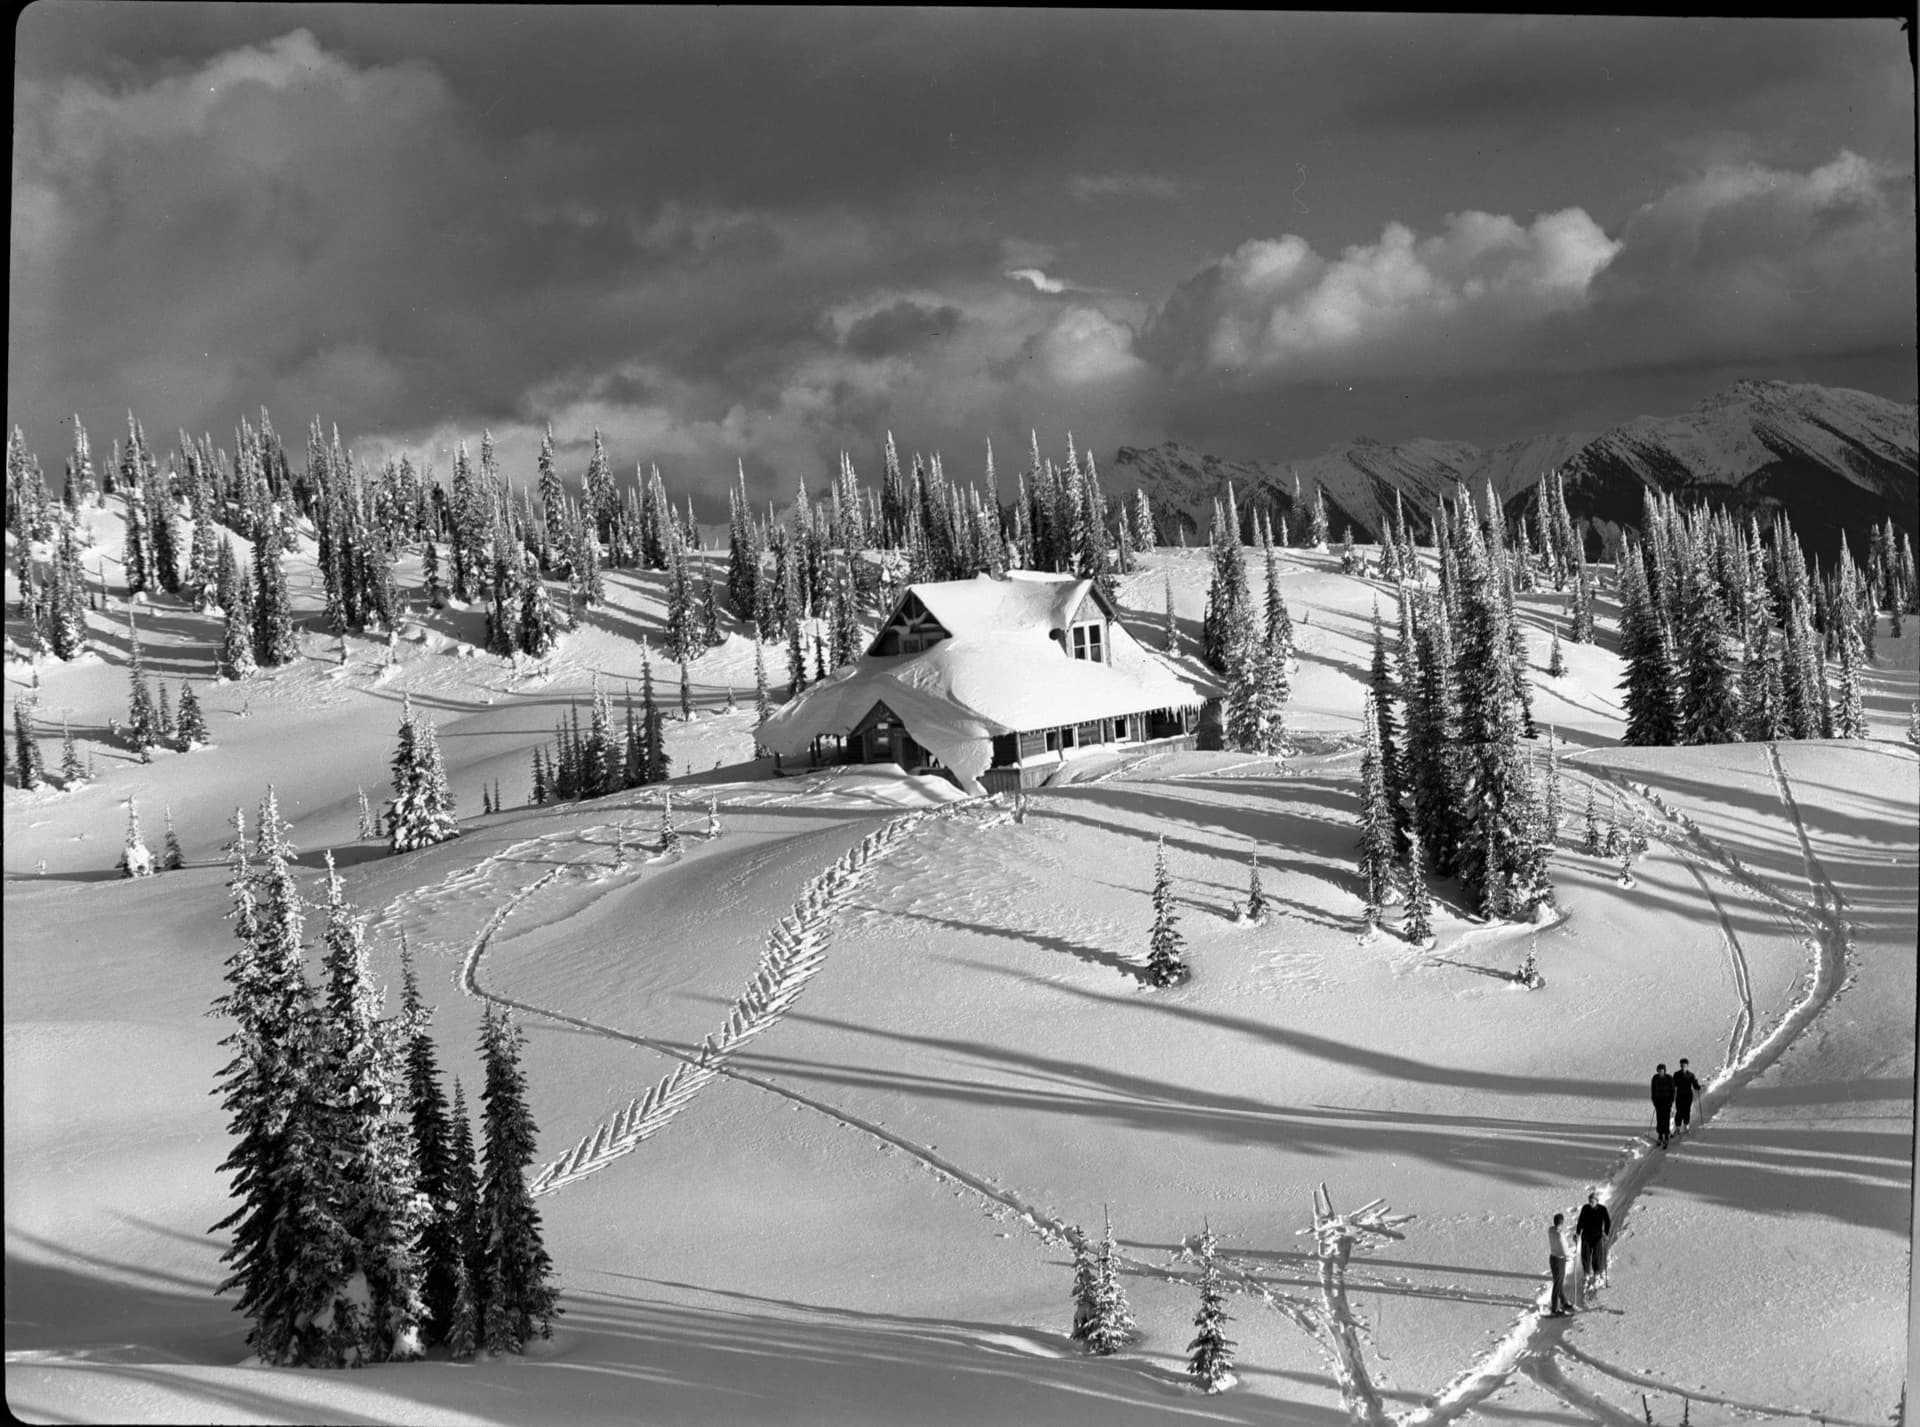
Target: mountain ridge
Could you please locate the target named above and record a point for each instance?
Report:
(1830, 458)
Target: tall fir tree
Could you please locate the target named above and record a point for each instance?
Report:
(374, 1167)
(1110, 1326)
(1502, 869)
(1647, 691)
(192, 721)
(289, 1251)
(462, 1335)
(422, 810)
(1392, 769)
(1210, 1360)
(29, 763)
(235, 660)
(1165, 965)
(442, 1243)
(1376, 820)
(273, 640)
(517, 1296)
(1417, 923)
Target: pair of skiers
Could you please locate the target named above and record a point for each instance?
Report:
(1594, 1230)
(1673, 1097)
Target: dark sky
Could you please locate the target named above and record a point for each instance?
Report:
(767, 235)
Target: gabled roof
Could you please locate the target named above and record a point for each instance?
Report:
(1025, 600)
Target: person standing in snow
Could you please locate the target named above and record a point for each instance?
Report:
(1594, 1228)
(1686, 1085)
(1557, 1265)
(1662, 1103)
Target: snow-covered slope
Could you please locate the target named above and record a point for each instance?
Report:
(857, 1217)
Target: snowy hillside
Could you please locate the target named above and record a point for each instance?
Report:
(824, 1096)
(1831, 458)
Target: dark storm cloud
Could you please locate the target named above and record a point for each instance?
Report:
(900, 328)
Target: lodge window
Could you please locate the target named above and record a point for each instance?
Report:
(1086, 643)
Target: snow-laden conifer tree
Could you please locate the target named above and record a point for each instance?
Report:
(1502, 866)
(1417, 925)
(1317, 528)
(1556, 657)
(1226, 619)
(143, 719)
(1707, 700)
(669, 834)
(442, 1245)
(1165, 966)
(163, 712)
(191, 723)
(1647, 691)
(1086, 1281)
(1256, 908)
(1849, 713)
(686, 693)
(1110, 1324)
(1392, 770)
(273, 641)
(72, 771)
(538, 627)
(796, 652)
(136, 858)
(29, 763)
(1376, 820)
(762, 703)
(289, 1251)
(1170, 630)
(235, 660)
(517, 1297)
(421, 812)
(1211, 1360)
(374, 1172)
(172, 859)
(462, 1335)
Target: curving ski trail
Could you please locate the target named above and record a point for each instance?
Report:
(1544, 1371)
(1535, 1334)
(1652, 1384)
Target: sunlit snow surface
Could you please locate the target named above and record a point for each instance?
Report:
(858, 1215)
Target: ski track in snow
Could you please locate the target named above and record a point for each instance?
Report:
(1529, 1343)
(1634, 1379)
(795, 950)
(1542, 1368)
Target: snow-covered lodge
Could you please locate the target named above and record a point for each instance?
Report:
(995, 682)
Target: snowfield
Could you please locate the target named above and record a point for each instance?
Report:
(823, 1098)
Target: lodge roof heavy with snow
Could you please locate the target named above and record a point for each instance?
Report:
(994, 682)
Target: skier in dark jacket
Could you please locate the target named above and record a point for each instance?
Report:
(1662, 1102)
(1595, 1228)
(1686, 1085)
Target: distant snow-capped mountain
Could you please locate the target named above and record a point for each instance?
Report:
(1831, 458)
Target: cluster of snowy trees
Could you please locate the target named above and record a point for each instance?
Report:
(151, 720)
(137, 859)
(604, 759)
(1728, 636)
(1104, 1324)
(1456, 783)
(366, 1227)
(1256, 665)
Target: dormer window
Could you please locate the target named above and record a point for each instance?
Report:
(1087, 643)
